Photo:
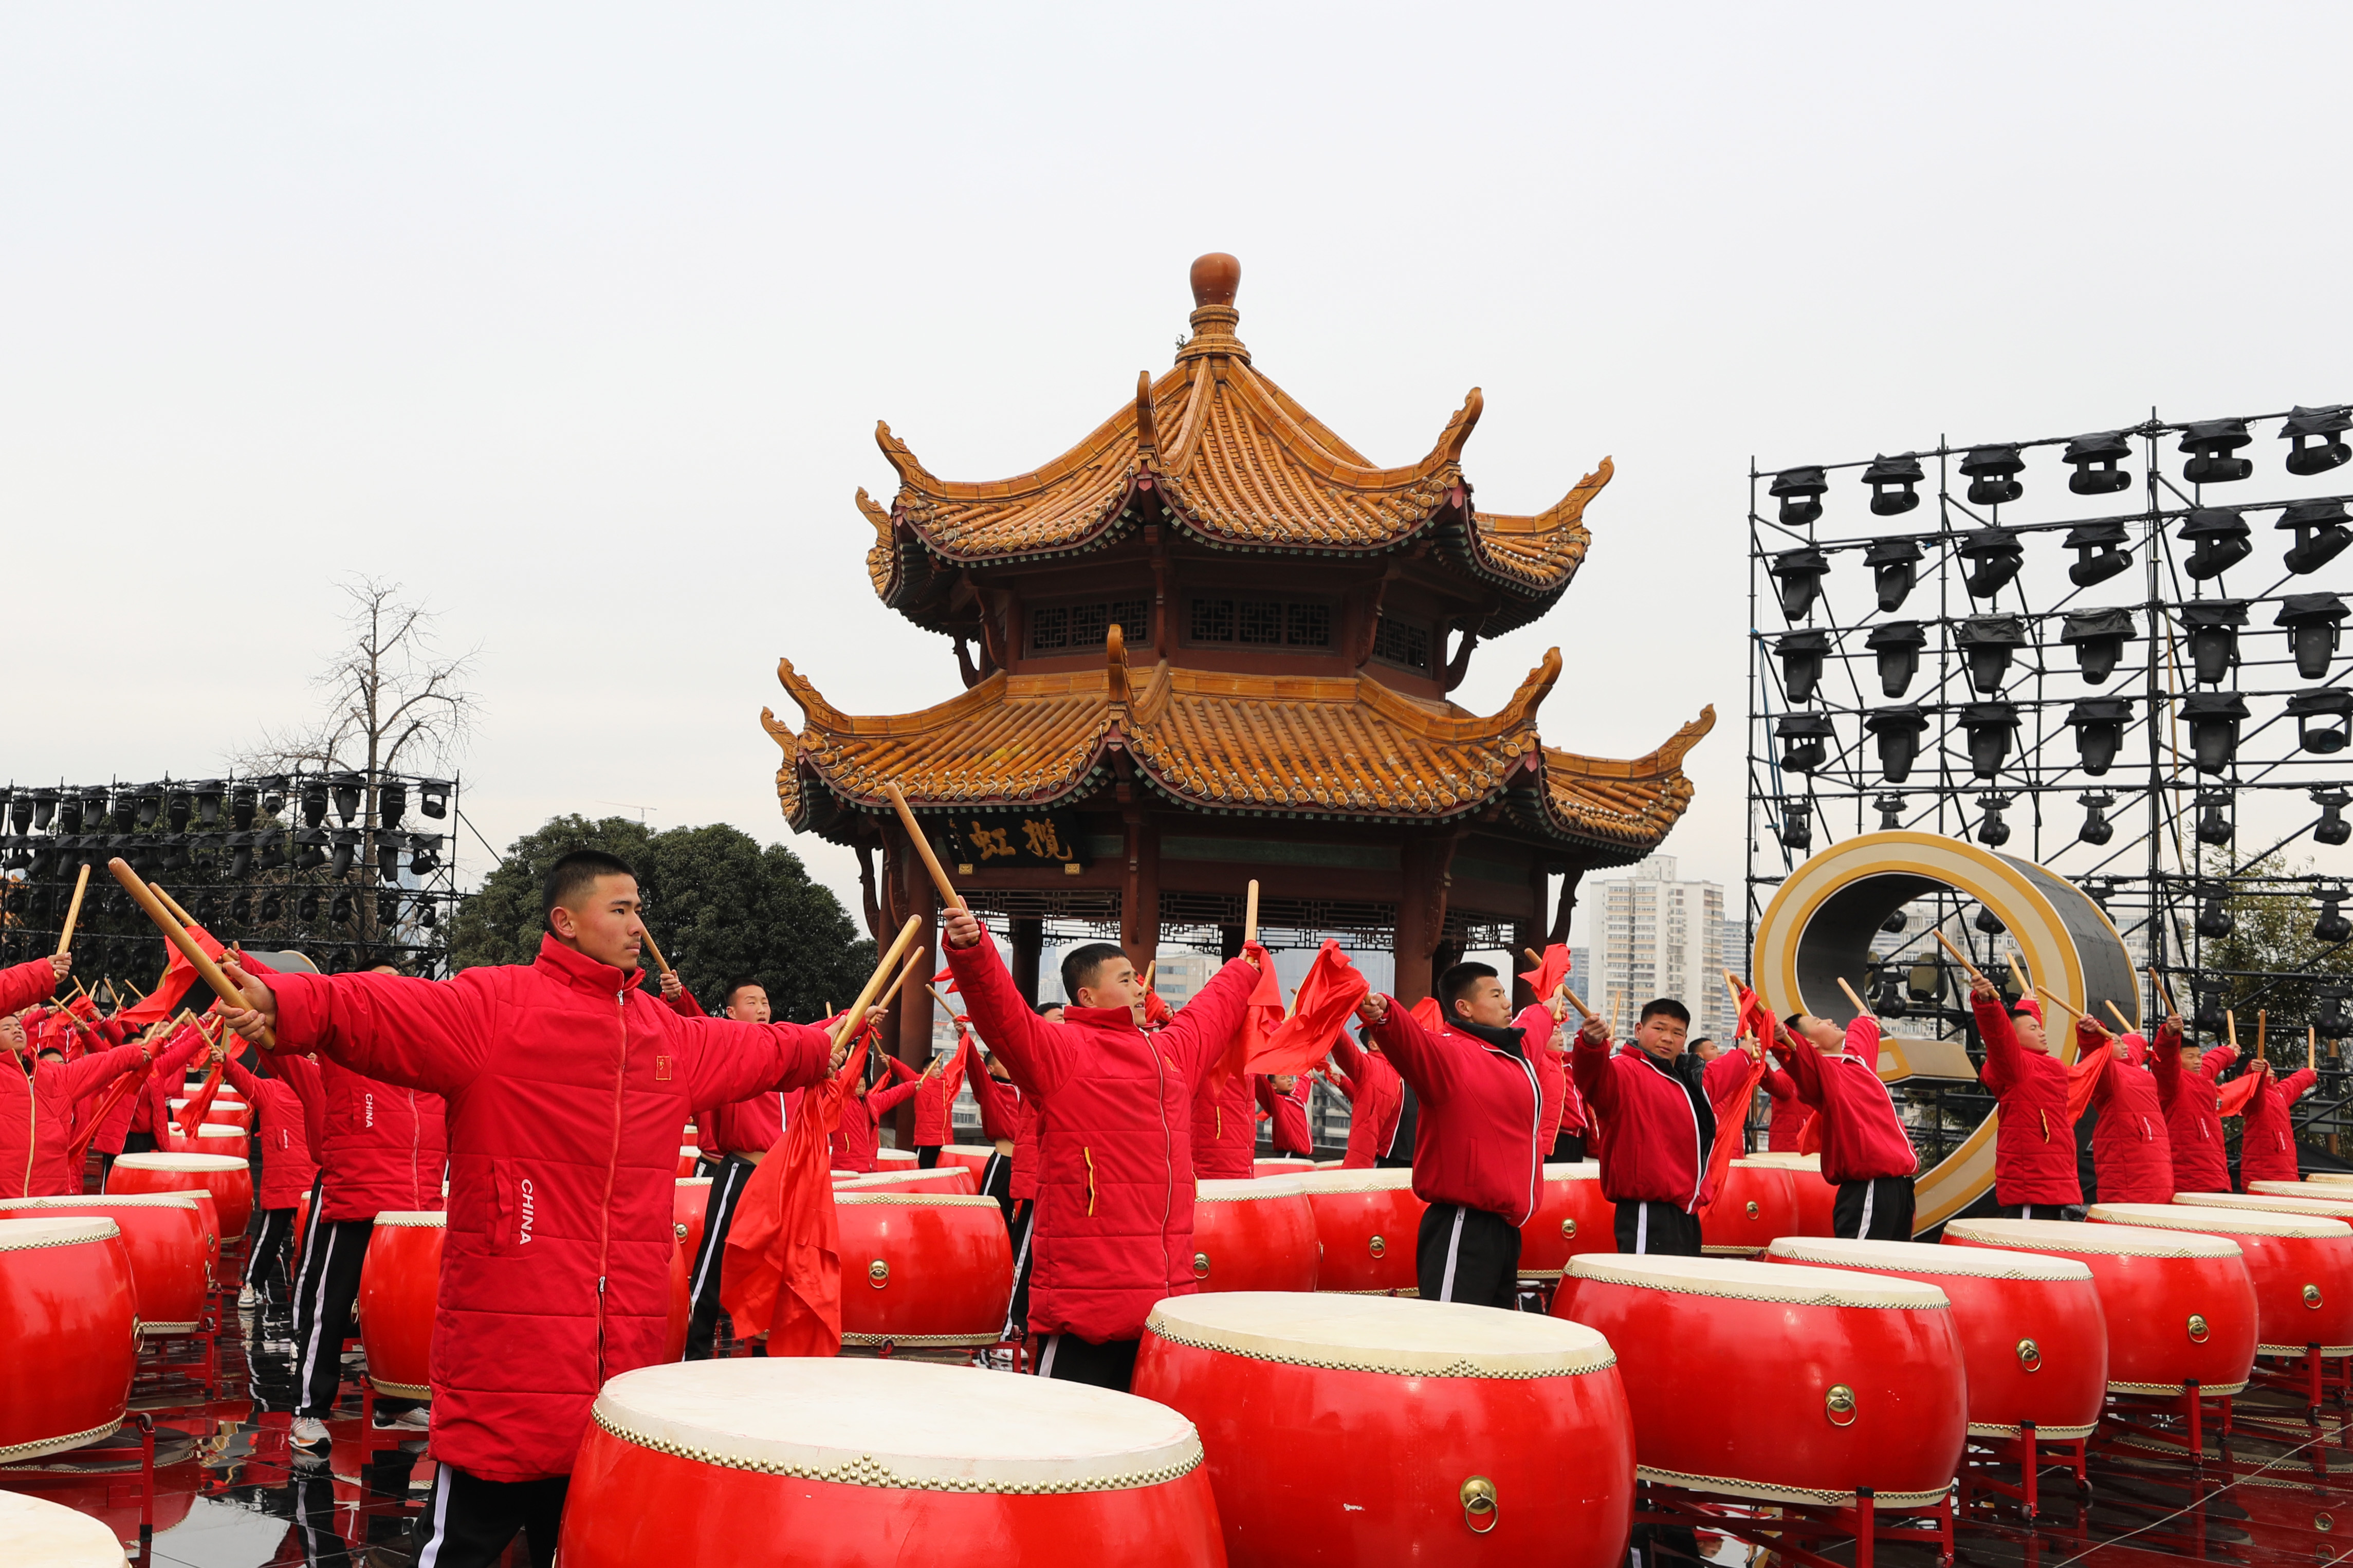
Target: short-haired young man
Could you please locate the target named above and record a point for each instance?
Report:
(2132, 1148)
(1114, 1218)
(1657, 1108)
(1283, 1097)
(1475, 1160)
(2034, 1144)
(566, 1087)
(37, 1120)
(1866, 1154)
(743, 1133)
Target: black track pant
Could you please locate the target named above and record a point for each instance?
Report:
(927, 1156)
(324, 1288)
(1110, 1364)
(1017, 1312)
(271, 1250)
(1879, 1209)
(703, 1283)
(467, 1522)
(2042, 1211)
(1568, 1148)
(1660, 1229)
(1468, 1254)
(996, 1182)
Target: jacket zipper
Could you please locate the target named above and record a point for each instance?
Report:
(1167, 1153)
(415, 1146)
(612, 1166)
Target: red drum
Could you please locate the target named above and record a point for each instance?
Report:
(2032, 1339)
(229, 1181)
(1758, 1206)
(167, 1241)
(2180, 1305)
(688, 1158)
(687, 1211)
(922, 1269)
(1281, 1165)
(2263, 1202)
(1816, 1199)
(889, 1159)
(221, 1112)
(212, 1137)
(1358, 1429)
(1776, 1382)
(1571, 1218)
(70, 1320)
(36, 1531)
(400, 1280)
(1253, 1236)
(867, 1461)
(302, 1220)
(973, 1157)
(2335, 1178)
(1367, 1221)
(946, 1180)
(2321, 1188)
(2301, 1266)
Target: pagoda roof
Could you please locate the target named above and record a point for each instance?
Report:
(1339, 748)
(1234, 462)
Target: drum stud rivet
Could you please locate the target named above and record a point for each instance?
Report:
(1840, 1405)
(2312, 1296)
(877, 1273)
(1478, 1497)
(1568, 1229)
(1752, 1208)
(1200, 1265)
(2030, 1355)
(681, 1229)
(2198, 1330)
(1380, 1247)
(2324, 1522)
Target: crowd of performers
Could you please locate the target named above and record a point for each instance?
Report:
(549, 1095)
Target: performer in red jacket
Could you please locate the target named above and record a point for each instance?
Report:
(1283, 1097)
(743, 1132)
(1785, 1135)
(2034, 1145)
(1376, 1096)
(936, 1088)
(2132, 1154)
(1655, 1103)
(2267, 1136)
(1225, 1129)
(1114, 1227)
(566, 1089)
(858, 1136)
(1475, 1160)
(37, 1125)
(1866, 1154)
(2193, 1107)
(1010, 1118)
(287, 1172)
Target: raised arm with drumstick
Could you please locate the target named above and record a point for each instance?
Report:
(1865, 1151)
(2034, 1141)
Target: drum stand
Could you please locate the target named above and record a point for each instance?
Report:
(1800, 1531)
(2309, 1374)
(2026, 1451)
(2134, 1414)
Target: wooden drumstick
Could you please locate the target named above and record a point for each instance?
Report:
(2229, 1029)
(177, 935)
(2121, 1022)
(1975, 974)
(655, 948)
(1575, 1001)
(1860, 1009)
(2163, 994)
(889, 961)
(948, 894)
(2258, 1035)
(914, 956)
(947, 1007)
(73, 911)
(2311, 1048)
(172, 904)
(1150, 970)
(1250, 913)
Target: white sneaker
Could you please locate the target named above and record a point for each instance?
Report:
(308, 1436)
(245, 1297)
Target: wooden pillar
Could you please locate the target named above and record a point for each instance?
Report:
(1422, 913)
(1029, 947)
(912, 1026)
(1139, 898)
(1229, 943)
(1528, 935)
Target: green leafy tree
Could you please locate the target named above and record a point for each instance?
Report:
(721, 907)
(2271, 934)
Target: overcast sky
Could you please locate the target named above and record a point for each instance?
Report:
(577, 319)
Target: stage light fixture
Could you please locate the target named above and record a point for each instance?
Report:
(2215, 921)
(45, 809)
(1992, 831)
(306, 907)
(240, 855)
(2333, 828)
(273, 793)
(2098, 637)
(2097, 828)
(1796, 829)
(1806, 740)
(1800, 491)
(207, 796)
(2213, 719)
(177, 807)
(341, 909)
(1899, 730)
(1890, 817)
(2333, 1023)
(2212, 442)
(2219, 539)
(42, 860)
(1895, 924)
(2213, 637)
(315, 800)
(2214, 816)
(1891, 481)
(424, 852)
(2332, 927)
(391, 803)
(2099, 553)
(240, 909)
(387, 908)
(387, 855)
(2324, 719)
(1894, 571)
(433, 798)
(271, 844)
(424, 913)
(312, 851)
(347, 789)
(242, 800)
(2311, 620)
(1990, 726)
(1996, 556)
(1803, 655)
(2095, 459)
(346, 841)
(1924, 981)
(1890, 1002)
(1898, 646)
(271, 906)
(1988, 922)
(2322, 532)
(1986, 643)
(2324, 426)
(1798, 573)
(1993, 474)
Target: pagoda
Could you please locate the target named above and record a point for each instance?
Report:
(1212, 642)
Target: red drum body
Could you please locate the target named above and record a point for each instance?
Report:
(302, 1221)
(222, 1112)
(1816, 1199)
(1571, 1218)
(2301, 1267)
(686, 1212)
(1281, 1165)
(973, 1157)
(36, 1531)
(940, 1181)
(946, 1466)
(922, 1269)
(400, 1280)
(212, 1137)
(1367, 1223)
(165, 1241)
(2180, 1305)
(2033, 1339)
(896, 1159)
(1758, 1206)
(1253, 1236)
(1779, 1382)
(68, 1318)
(1350, 1430)
(688, 1158)
(228, 1179)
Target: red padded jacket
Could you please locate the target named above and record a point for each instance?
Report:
(36, 1111)
(382, 1146)
(857, 1137)
(1115, 1220)
(1006, 1115)
(1650, 1147)
(2267, 1137)
(935, 1093)
(1786, 1133)
(746, 1126)
(1287, 1114)
(2193, 1113)
(1474, 1142)
(1862, 1138)
(286, 1163)
(137, 1111)
(2132, 1152)
(566, 1087)
(1224, 1136)
(1376, 1100)
(2034, 1146)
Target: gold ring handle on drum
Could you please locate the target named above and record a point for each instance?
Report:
(1752, 1208)
(1380, 1248)
(1478, 1497)
(1200, 1265)
(1569, 1230)
(2030, 1355)
(2198, 1330)
(1839, 1405)
(2312, 1297)
(680, 1229)
(878, 1274)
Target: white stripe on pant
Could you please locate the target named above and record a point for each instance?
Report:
(1453, 1251)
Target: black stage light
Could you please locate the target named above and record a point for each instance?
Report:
(2214, 816)
(2098, 637)
(242, 800)
(150, 806)
(2095, 459)
(2322, 532)
(2332, 926)
(2214, 923)
(20, 811)
(313, 853)
(1993, 474)
(1891, 481)
(177, 807)
(347, 844)
(340, 910)
(1797, 830)
(1894, 571)
(209, 802)
(2212, 441)
(2097, 828)
(240, 909)
(391, 803)
(271, 842)
(1992, 831)
(2213, 637)
(387, 908)
(43, 860)
(1990, 726)
(2099, 553)
(1800, 491)
(2311, 620)
(1891, 1001)
(424, 852)
(1806, 740)
(1890, 817)
(315, 800)
(1996, 557)
(69, 814)
(273, 793)
(2100, 731)
(2324, 426)
(2334, 828)
(1988, 922)
(387, 855)
(240, 855)
(2332, 1023)
(271, 905)
(175, 851)
(2206, 996)
(306, 907)
(2324, 719)
(1799, 574)
(2219, 539)
(1898, 730)
(1898, 644)
(45, 809)
(433, 798)
(1802, 654)
(1987, 642)
(1895, 923)
(2213, 719)
(1924, 981)
(347, 789)
(425, 915)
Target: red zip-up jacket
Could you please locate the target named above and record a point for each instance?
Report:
(1474, 1140)
(1650, 1147)
(2193, 1113)
(36, 1112)
(856, 1136)
(1376, 1100)
(2034, 1146)
(1288, 1114)
(1862, 1138)
(746, 1126)
(2267, 1137)
(1007, 1116)
(1786, 1133)
(1224, 1132)
(132, 1112)
(935, 1094)
(1114, 1218)
(566, 1087)
(278, 1116)
(2132, 1152)
(382, 1146)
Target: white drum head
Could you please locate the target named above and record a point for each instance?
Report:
(36, 1531)
(899, 1424)
(1739, 1279)
(2098, 1240)
(421, 1219)
(29, 1235)
(1784, 1158)
(1926, 1257)
(1377, 1334)
(943, 1176)
(105, 1200)
(2219, 1221)
(1246, 1190)
(976, 1151)
(1573, 1171)
(928, 1200)
(694, 1181)
(1356, 1181)
(188, 1164)
(2335, 1178)
(222, 1130)
(2331, 1208)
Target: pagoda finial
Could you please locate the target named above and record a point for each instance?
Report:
(1215, 279)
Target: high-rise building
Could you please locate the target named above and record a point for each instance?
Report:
(1655, 935)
